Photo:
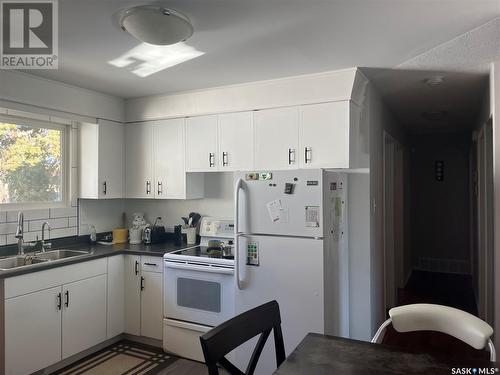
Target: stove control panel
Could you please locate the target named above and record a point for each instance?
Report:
(213, 227)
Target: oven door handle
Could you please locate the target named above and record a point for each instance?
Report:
(193, 267)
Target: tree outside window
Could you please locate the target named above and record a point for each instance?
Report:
(31, 163)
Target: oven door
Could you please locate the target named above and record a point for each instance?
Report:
(198, 293)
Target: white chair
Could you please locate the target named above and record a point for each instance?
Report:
(427, 317)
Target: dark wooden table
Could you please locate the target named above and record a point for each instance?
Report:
(320, 354)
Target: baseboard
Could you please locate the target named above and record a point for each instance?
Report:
(143, 340)
(68, 361)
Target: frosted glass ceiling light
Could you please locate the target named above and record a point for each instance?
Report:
(155, 25)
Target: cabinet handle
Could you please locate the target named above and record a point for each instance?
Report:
(307, 155)
(142, 282)
(160, 188)
(59, 301)
(211, 159)
(224, 159)
(136, 267)
(150, 264)
(148, 187)
(67, 298)
(104, 187)
(291, 152)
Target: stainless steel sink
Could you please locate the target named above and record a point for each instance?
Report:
(60, 254)
(19, 261)
(30, 260)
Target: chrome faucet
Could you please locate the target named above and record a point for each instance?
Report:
(20, 233)
(49, 245)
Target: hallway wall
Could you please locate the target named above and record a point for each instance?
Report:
(440, 209)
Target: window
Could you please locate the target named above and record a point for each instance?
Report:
(32, 163)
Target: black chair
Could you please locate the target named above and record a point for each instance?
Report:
(221, 340)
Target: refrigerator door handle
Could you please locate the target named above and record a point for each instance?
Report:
(237, 189)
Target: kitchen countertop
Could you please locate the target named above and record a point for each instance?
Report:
(95, 252)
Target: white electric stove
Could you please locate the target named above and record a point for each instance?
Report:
(199, 289)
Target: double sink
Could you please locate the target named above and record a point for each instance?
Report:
(28, 260)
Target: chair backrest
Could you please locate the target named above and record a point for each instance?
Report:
(428, 317)
(221, 340)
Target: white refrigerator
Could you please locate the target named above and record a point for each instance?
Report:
(291, 246)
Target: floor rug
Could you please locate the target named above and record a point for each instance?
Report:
(122, 358)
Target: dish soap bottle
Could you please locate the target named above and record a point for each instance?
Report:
(93, 235)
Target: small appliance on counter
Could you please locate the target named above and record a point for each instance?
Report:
(154, 234)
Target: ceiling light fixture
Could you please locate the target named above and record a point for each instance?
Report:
(155, 25)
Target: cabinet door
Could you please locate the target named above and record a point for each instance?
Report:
(84, 315)
(139, 160)
(324, 135)
(236, 141)
(111, 154)
(116, 296)
(132, 295)
(152, 305)
(32, 331)
(201, 143)
(169, 149)
(276, 138)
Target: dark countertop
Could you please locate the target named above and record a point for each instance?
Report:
(321, 354)
(95, 252)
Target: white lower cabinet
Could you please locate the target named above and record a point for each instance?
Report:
(152, 305)
(84, 315)
(144, 296)
(32, 331)
(116, 296)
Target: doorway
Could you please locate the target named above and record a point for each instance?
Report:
(393, 182)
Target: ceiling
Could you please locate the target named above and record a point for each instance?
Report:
(249, 40)
(453, 105)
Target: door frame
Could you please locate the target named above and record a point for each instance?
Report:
(393, 230)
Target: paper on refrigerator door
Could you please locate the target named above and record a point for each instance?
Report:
(274, 209)
(312, 216)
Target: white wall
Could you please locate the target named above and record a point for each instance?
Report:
(495, 109)
(381, 120)
(218, 201)
(42, 95)
(312, 88)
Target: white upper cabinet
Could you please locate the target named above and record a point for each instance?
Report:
(324, 135)
(101, 160)
(171, 180)
(201, 144)
(236, 141)
(139, 160)
(276, 138)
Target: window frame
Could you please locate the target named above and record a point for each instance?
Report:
(65, 163)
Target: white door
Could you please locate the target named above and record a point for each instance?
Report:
(201, 144)
(32, 331)
(290, 271)
(152, 305)
(116, 296)
(169, 159)
(84, 315)
(139, 160)
(111, 155)
(236, 141)
(276, 138)
(132, 295)
(324, 135)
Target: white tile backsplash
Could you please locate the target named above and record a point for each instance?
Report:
(3, 217)
(54, 223)
(29, 215)
(64, 223)
(63, 212)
